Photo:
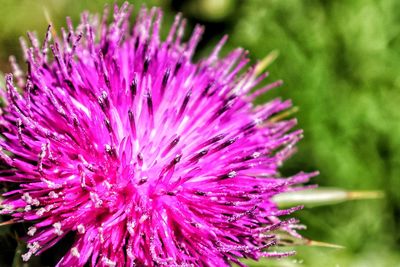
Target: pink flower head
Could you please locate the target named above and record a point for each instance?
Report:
(148, 158)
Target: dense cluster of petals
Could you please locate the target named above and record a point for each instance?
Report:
(148, 158)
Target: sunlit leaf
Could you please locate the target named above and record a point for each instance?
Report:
(323, 196)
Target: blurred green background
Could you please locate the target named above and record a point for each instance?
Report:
(339, 61)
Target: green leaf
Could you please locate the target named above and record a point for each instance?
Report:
(323, 196)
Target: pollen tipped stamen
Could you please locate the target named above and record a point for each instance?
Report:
(110, 151)
(165, 80)
(146, 65)
(173, 143)
(108, 125)
(140, 159)
(132, 123)
(178, 66)
(149, 102)
(228, 175)
(184, 104)
(211, 141)
(225, 144)
(198, 156)
(133, 88)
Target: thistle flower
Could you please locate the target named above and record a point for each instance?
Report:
(147, 157)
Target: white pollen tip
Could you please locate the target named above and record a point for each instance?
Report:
(232, 174)
(57, 229)
(27, 198)
(131, 227)
(75, 252)
(109, 263)
(143, 218)
(53, 194)
(32, 230)
(26, 256)
(35, 202)
(40, 212)
(81, 229)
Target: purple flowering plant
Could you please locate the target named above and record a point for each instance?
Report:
(147, 157)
